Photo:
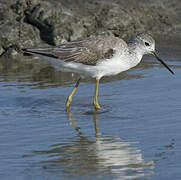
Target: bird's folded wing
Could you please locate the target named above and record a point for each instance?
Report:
(87, 52)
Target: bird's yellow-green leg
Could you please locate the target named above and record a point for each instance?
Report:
(96, 104)
(69, 99)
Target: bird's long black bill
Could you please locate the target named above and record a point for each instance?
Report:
(162, 62)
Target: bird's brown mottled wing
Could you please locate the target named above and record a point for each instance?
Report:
(87, 52)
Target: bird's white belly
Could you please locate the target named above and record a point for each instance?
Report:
(105, 68)
(113, 66)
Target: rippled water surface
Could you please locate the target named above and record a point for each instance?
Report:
(136, 134)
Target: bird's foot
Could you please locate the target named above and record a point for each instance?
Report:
(96, 106)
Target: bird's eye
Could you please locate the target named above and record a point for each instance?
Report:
(147, 44)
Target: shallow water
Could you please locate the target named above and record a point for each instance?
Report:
(136, 134)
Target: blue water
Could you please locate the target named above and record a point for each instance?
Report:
(136, 134)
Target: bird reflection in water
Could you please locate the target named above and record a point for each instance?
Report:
(96, 156)
(72, 121)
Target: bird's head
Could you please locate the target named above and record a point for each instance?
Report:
(145, 44)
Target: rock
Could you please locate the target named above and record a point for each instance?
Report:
(1, 50)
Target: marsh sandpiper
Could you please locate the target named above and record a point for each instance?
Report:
(97, 57)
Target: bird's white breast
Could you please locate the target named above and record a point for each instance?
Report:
(117, 64)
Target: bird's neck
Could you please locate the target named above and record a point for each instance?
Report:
(136, 50)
